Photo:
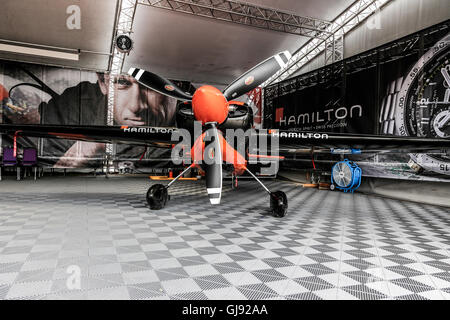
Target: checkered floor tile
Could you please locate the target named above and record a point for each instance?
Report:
(95, 238)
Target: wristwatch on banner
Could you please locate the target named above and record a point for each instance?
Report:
(418, 105)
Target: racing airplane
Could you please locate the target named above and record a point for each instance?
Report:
(216, 111)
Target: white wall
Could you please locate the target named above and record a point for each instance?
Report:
(397, 19)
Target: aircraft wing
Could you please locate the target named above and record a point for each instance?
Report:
(291, 142)
(146, 136)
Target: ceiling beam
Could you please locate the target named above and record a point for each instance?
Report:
(246, 14)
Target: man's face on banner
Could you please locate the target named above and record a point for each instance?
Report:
(135, 105)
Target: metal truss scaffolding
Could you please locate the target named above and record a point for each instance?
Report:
(333, 44)
(124, 24)
(334, 49)
(247, 14)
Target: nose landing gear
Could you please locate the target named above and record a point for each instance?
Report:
(158, 196)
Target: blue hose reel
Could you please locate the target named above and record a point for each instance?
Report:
(346, 176)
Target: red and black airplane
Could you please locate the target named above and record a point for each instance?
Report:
(217, 111)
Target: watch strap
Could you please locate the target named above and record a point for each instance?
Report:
(389, 106)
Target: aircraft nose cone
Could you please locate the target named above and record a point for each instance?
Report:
(209, 105)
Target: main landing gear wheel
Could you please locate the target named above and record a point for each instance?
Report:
(278, 203)
(157, 196)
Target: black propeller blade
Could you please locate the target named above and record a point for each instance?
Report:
(257, 75)
(161, 85)
(213, 164)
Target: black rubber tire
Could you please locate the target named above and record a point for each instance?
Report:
(157, 196)
(278, 203)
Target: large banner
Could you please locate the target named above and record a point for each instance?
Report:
(34, 94)
(401, 88)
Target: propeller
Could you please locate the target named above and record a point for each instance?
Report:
(159, 84)
(213, 163)
(257, 75)
(245, 83)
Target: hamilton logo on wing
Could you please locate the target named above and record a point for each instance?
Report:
(168, 87)
(298, 135)
(146, 129)
(249, 80)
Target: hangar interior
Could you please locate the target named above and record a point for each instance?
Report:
(76, 222)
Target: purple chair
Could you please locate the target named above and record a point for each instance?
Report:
(9, 160)
(29, 160)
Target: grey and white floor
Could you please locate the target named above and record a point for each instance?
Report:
(332, 245)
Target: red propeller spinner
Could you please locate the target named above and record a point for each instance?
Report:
(209, 105)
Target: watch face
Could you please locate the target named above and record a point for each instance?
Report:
(124, 43)
(423, 105)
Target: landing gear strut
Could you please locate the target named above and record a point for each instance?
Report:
(157, 194)
(278, 199)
